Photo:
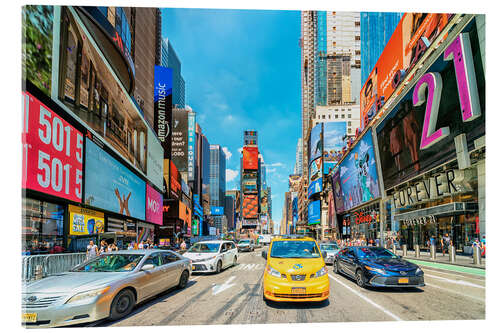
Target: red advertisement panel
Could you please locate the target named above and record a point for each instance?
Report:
(175, 180)
(250, 206)
(52, 152)
(411, 38)
(250, 158)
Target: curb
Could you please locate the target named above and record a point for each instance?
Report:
(483, 267)
(449, 266)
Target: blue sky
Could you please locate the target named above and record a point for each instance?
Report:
(242, 71)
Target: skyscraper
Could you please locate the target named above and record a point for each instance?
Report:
(297, 170)
(170, 59)
(217, 176)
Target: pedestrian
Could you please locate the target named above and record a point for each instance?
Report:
(141, 245)
(130, 246)
(377, 242)
(183, 245)
(104, 247)
(92, 250)
(446, 242)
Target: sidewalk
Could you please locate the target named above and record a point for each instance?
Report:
(461, 260)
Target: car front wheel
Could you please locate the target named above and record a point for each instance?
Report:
(360, 279)
(336, 267)
(219, 267)
(183, 280)
(122, 304)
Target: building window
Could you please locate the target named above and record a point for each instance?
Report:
(356, 24)
(348, 123)
(348, 115)
(349, 130)
(336, 116)
(357, 38)
(343, 116)
(329, 116)
(323, 117)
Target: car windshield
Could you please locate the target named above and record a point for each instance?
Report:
(204, 248)
(294, 249)
(374, 253)
(329, 247)
(244, 241)
(110, 263)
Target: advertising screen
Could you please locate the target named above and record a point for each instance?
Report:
(110, 185)
(214, 210)
(250, 138)
(315, 187)
(175, 181)
(413, 35)
(155, 160)
(316, 170)
(250, 207)
(249, 185)
(250, 158)
(163, 107)
(180, 139)
(185, 216)
(406, 149)
(358, 174)
(154, 204)
(264, 201)
(191, 144)
(316, 144)
(52, 152)
(314, 212)
(295, 209)
(333, 134)
(337, 192)
(84, 221)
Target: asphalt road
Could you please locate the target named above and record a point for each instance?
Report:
(234, 297)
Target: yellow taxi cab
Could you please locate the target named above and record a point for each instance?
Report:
(295, 270)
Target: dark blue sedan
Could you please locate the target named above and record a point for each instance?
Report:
(377, 267)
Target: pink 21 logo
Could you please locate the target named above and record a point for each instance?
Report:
(460, 51)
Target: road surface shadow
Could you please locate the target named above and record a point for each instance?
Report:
(162, 297)
(297, 305)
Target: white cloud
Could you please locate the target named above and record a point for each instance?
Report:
(227, 152)
(278, 164)
(271, 170)
(231, 175)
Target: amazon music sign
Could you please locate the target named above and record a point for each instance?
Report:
(448, 100)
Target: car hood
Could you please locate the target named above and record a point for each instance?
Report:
(397, 264)
(71, 282)
(198, 256)
(332, 252)
(297, 266)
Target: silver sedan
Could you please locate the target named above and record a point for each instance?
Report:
(107, 286)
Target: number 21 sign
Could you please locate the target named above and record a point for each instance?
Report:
(52, 152)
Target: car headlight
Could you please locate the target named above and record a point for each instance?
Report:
(376, 270)
(87, 294)
(321, 272)
(272, 271)
(419, 271)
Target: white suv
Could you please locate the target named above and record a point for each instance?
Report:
(212, 256)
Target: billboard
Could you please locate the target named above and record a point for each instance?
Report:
(215, 210)
(112, 186)
(418, 133)
(264, 201)
(163, 107)
(154, 204)
(295, 209)
(84, 221)
(175, 181)
(250, 138)
(191, 144)
(249, 185)
(315, 142)
(314, 212)
(411, 38)
(250, 158)
(337, 192)
(333, 134)
(316, 170)
(185, 216)
(180, 139)
(250, 206)
(358, 174)
(52, 152)
(315, 187)
(155, 160)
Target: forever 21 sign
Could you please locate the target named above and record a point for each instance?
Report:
(52, 152)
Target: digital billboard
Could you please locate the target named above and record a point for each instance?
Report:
(295, 209)
(315, 142)
(155, 160)
(175, 181)
(314, 212)
(264, 201)
(163, 107)
(180, 139)
(316, 170)
(411, 38)
(249, 185)
(154, 205)
(215, 210)
(358, 174)
(250, 207)
(84, 221)
(185, 216)
(250, 138)
(337, 192)
(250, 158)
(315, 187)
(111, 186)
(408, 141)
(333, 134)
(191, 144)
(52, 152)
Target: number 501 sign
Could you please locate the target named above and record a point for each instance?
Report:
(52, 152)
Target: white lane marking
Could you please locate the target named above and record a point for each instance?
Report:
(462, 282)
(195, 278)
(455, 292)
(249, 267)
(387, 312)
(456, 274)
(220, 288)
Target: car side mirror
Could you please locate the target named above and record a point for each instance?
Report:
(264, 254)
(324, 254)
(147, 267)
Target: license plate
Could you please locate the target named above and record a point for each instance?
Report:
(194, 268)
(298, 290)
(403, 280)
(29, 318)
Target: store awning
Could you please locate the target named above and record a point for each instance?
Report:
(454, 208)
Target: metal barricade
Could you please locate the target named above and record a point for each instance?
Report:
(38, 266)
(394, 248)
(405, 250)
(417, 251)
(453, 253)
(433, 252)
(476, 255)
